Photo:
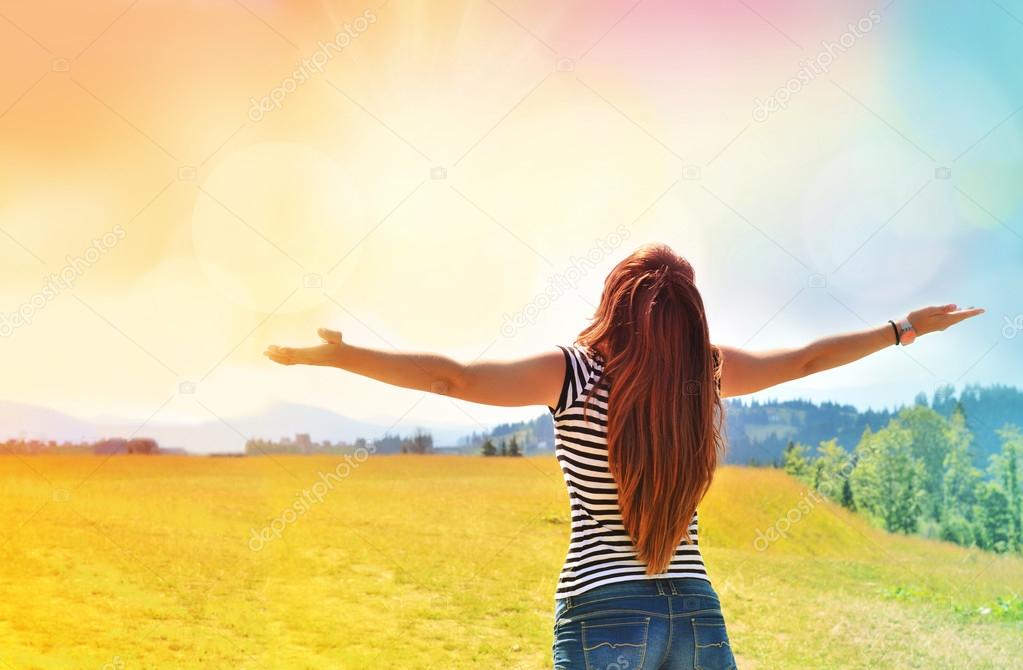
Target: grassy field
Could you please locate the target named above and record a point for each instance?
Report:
(440, 562)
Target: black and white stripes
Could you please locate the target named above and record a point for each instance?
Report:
(600, 550)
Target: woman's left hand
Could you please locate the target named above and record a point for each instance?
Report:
(324, 354)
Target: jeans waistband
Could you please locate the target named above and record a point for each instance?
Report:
(675, 586)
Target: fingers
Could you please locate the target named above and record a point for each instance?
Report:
(318, 355)
(282, 355)
(963, 314)
(950, 317)
(329, 336)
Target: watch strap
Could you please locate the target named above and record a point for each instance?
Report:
(898, 337)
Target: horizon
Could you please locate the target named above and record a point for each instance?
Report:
(462, 431)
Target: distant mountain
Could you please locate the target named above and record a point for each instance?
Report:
(213, 436)
(534, 437)
(33, 422)
(759, 431)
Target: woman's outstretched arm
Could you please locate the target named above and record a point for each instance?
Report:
(745, 372)
(535, 380)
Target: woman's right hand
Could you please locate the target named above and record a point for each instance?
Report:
(933, 319)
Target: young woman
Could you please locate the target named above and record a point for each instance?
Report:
(636, 401)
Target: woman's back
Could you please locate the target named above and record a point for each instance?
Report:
(640, 459)
(600, 550)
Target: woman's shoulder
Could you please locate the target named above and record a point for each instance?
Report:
(588, 350)
(583, 366)
(583, 355)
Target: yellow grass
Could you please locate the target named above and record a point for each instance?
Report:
(438, 562)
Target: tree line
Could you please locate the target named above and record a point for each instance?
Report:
(420, 442)
(113, 445)
(917, 475)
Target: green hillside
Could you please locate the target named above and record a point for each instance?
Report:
(443, 562)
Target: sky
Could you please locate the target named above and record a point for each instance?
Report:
(183, 183)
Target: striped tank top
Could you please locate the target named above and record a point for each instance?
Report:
(600, 550)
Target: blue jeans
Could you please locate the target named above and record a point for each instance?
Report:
(652, 624)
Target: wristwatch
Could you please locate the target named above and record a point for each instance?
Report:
(906, 332)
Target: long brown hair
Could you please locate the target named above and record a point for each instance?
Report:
(664, 412)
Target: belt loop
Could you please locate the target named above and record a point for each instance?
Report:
(671, 583)
(568, 602)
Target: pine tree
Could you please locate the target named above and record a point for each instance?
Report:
(930, 445)
(513, 447)
(848, 500)
(1005, 467)
(887, 481)
(796, 462)
(504, 448)
(994, 519)
(831, 468)
(488, 448)
(960, 485)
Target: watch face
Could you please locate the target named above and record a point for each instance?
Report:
(906, 332)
